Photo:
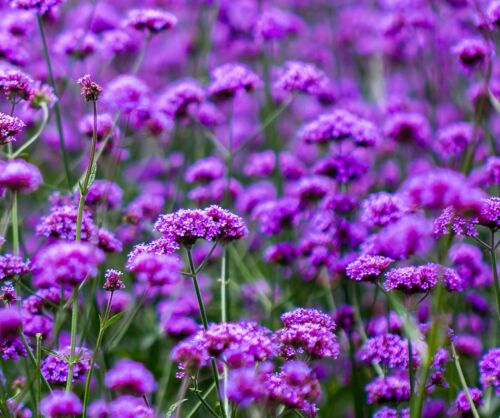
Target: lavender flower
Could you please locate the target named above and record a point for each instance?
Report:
(338, 126)
(11, 265)
(113, 280)
(150, 20)
(9, 127)
(412, 279)
(61, 404)
(128, 376)
(55, 367)
(18, 175)
(230, 79)
(368, 267)
(89, 89)
(67, 263)
(489, 367)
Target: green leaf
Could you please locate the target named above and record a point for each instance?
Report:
(92, 175)
(112, 320)
(173, 407)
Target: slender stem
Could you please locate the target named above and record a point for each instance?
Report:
(496, 284)
(74, 324)
(204, 320)
(15, 224)
(224, 314)
(142, 54)
(38, 390)
(197, 406)
(84, 187)
(33, 359)
(88, 379)
(463, 382)
(57, 109)
(411, 371)
(40, 129)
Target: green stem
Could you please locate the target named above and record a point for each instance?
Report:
(198, 405)
(38, 390)
(496, 284)
(204, 320)
(463, 382)
(74, 324)
(224, 314)
(39, 131)
(57, 109)
(15, 224)
(100, 336)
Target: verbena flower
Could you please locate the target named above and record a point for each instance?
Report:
(128, 376)
(389, 350)
(40, 6)
(412, 279)
(90, 90)
(150, 20)
(11, 265)
(230, 79)
(461, 406)
(10, 127)
(60, 404)
(179, 98)
(67, 263)
(382, 208)
(16, 86)
(368, 267)
(489, 367)
(54, 367)
(18, 175)
(113, 280)
(388, 389)
(205, 170)
(61, 223)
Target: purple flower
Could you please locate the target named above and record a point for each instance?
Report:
(104, 127)
(155, 269)
(11, 322)
(89, 89)
(11, 265)
(260, 164)
(368, 267)
(451, 223)
(16, 86)
(461, 406)
(79, 44)
(186, 226)
(342, 169)
(229, 79)
(55, 366)
(205, 170)
(302, 77)
(388, 389)
(277, 24)
(128, 376)
(104, 194)
(382, 208)
(308, 331)
(283, 253)
(113, 280)
(388, 349)
(9, 127)
(411, 128)
(177, 100)
(60, 404)
(61, 223)
(126, 93)
(40, 6)
(130, 407)
(229, 226)
(386, 412)
(245, 386)
(338, 126)
(490, 213)
(489, 367)
(413, 279)
(67, 263)
(453, 140)
(471, 53)
(150, 20)
(468, 345)
(275, 215)
(18, 175)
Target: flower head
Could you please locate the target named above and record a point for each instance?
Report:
(61, 404)
(10, 126)
(128, 376)
(150, 20)
(89, 89)
(18, 175)
(231, 78)
(113, 280)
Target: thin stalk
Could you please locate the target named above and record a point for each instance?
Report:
(74, 324)
(57, 109)
(36, 135)
(15, 224)
(411, 371)
(88, 379)
(33, 359)
(38, 389)
(84, 187)
(164, 384)
(496, 284)
(198, 405)
(140, 57)
(204, 320)
(224, 314)
(463, 382)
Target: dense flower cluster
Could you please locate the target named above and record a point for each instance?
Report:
(290, 205)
